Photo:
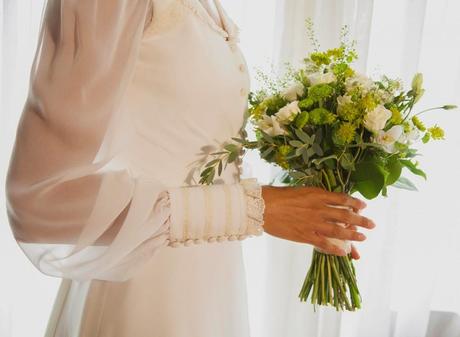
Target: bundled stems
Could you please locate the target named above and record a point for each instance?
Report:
(331, 281)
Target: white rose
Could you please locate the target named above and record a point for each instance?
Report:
(388, 138)
(271, 126)
(287, 113)
(376, 119)
(359, 80)
(293, 91)
(321, 78)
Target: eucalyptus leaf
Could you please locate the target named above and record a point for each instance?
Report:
(303, 136)
(267, 137)
(299, 151)
(413, 168)
(305, 155)
(296, 143)
(405, 184)
(267, 152)
(310, 152)
(317, 149)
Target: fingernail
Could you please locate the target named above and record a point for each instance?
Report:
(360, 236)
(371, 224)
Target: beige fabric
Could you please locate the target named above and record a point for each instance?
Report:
(123, 106)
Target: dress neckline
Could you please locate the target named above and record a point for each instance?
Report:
(225, 30)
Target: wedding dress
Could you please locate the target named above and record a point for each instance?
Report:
(127, 100)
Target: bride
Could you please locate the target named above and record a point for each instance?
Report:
(126, 99)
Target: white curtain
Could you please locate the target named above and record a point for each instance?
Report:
(409, 271)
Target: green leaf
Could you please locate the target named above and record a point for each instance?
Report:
(267, 152)
(413, 168)
(299, 151)
(330, 163)
(394, 168)
(212, 162)
(219, 168)
(303, 136)
(267, 137)
(305, 155)
(346, 161)
(369, 178)
(317, 149)
(310, 152)
(231, 157)
(297, 175)
(405, 184)
(206, 171)
(296, 143)
(239, 140)
(231, 148)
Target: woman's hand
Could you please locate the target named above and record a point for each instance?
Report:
(304, 214)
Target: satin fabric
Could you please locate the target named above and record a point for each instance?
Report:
(122, 105)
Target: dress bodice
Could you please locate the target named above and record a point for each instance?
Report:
(188, 94)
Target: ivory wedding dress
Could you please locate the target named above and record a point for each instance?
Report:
(127, 98)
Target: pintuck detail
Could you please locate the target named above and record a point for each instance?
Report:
(252, 211)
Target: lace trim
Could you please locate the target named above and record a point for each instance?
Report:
(255, 206)
(204, 16)
(254, 217)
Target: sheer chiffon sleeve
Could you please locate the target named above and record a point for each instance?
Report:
(73, 210)
(65, 200)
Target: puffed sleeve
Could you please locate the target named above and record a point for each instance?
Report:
(74, 210)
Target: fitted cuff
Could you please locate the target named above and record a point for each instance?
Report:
(215, 213)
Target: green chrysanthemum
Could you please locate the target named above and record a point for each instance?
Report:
(320, 58)
(345, 133)
(349, 112)
(320, 116)
(284, 150)
(418, 123)
(368, 102)
(320, 92)
(436, 132)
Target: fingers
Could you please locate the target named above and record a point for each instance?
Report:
(348, 217)
(343, 199)
(354, 253)
(332, 230)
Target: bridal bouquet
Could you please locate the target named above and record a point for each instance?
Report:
(326, 125)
